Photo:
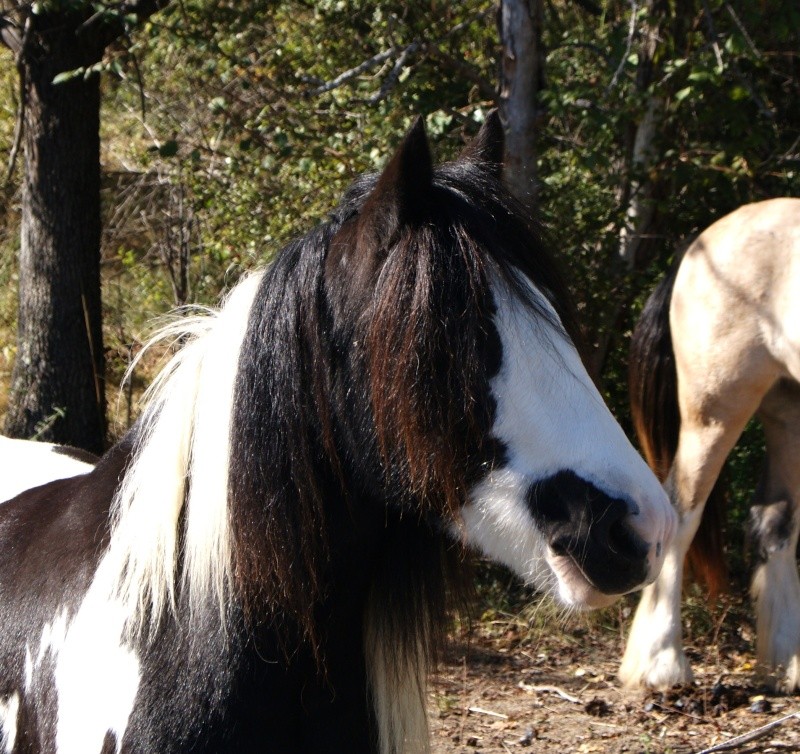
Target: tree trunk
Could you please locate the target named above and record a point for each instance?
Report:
(639, 193)
(57, 389)
(521, 79)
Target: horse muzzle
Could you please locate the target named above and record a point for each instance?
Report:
(598, 546)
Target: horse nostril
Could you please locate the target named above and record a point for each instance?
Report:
(560, 546)
(625, 542)
(592, 529)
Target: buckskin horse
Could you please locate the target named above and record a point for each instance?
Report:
(718, 342)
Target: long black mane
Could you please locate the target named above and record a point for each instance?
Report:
(364, 379)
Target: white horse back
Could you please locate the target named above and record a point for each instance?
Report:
(25, 464)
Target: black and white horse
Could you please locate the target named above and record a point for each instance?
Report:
(27, 464)
(264, 562)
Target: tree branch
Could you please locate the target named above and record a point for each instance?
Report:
(745, 33)
(402, 54)
(470, 72)
(352, 73)
(714, 37)
(9, 35)
(109, 24)
(746, 738)
(394, 75)
(628, 46)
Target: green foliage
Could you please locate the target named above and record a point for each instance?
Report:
(230, 128)
(246, 116)
(729, 87)
(8, 222)
(238, 112)
(9, 96)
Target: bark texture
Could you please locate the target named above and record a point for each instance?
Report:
(521, 77)
(639, 194)
(57, 390)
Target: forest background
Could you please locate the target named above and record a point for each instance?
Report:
(229, 127)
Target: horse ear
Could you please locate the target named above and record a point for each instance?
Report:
(401, 193)
(487, 146)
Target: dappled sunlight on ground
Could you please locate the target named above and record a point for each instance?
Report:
(552, 688)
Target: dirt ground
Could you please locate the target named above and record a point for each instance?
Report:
(547, 684)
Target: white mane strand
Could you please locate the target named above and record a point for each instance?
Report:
(180, 466)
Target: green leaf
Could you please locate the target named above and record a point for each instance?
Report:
(218, 105)
(701, 76)
(65, 76)
(168, 148)
(735, 45)
(738, 93)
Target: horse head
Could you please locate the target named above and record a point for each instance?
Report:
(468, 399)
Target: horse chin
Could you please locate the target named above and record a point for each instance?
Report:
(573, 589)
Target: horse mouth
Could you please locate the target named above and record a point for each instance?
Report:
(593, 543)
(574, 588)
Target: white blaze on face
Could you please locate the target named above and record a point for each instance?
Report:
(551, 418)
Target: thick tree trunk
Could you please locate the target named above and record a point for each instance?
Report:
(521, 77)
(57, 390)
